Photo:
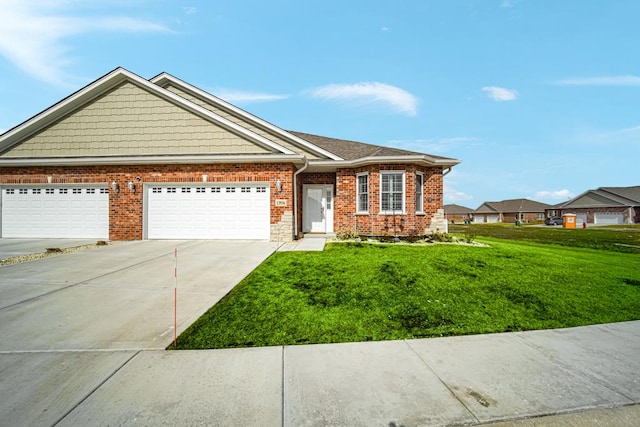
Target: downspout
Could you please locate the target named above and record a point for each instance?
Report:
(295, 197)
(447, 171)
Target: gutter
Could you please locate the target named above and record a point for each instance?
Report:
(295, 197)
(445, 172)
(150, 160)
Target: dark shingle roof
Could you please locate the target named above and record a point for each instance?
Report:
(351, 150)
(513, 205)
(456, 209)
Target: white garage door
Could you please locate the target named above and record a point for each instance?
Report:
(608, 218)
(478, 218)
(492, 218)
(49, 212)
(581, 218)
(208, 212)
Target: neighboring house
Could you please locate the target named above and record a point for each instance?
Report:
(458, 213)
(523, 210)
(127, 158)
(603, 206)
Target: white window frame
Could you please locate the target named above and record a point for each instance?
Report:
(404, 192)
(419, 193)
(359, 193)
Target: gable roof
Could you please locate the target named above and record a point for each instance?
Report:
(165, 79)
(605, 197)
(456, 209)
(276, 144)
(109, 81)
(512, 205)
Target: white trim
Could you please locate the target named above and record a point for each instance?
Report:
(404, 192)
(164, 78)
(109, 81)
(419, 209)
(424, 160)
(147, 160)
(358, 210)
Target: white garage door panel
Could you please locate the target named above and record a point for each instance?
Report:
(608, 218)
(212, 212)
(55, 212)
(492, 218)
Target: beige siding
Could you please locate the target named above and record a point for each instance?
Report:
(242, 122)
(129, 121)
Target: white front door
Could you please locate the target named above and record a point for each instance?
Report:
(318, 209)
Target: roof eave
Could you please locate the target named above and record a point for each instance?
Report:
(319, 165)
(151, 160)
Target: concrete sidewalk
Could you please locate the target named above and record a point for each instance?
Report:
(426, 382)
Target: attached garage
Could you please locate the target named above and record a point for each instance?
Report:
(580, 219)
(55, 212)
(478, 218)
(220, 211)
(608, 218)
(492, 218)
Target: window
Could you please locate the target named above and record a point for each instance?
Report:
(22, 191)
(245, 189)
(200, 190)
(261, 190)
(91, 191)
(36, 191)
(230, 190)
(540, 216)
(215, 189)
(419, 192)
(391, 192)
(363, 192)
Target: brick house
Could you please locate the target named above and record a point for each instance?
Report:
(603, 206)
(126, 158)
(523, 210)
(457, 213)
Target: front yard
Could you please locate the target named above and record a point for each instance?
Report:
(362, 292)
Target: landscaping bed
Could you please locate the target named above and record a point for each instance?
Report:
(361, 292)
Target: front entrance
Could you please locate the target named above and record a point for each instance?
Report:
(317, 209)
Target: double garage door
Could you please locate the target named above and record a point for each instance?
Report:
(608, 218)
(51, 212)
(208, 212)
(171, 212)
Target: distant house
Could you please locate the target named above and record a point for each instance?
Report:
(523, 210)
(459, 213)
(603, 206)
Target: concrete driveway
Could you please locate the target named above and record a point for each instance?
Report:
(68, 322)
(17, 247)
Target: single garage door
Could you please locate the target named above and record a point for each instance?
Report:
(581, 218)
(478, 218)
(608, 218)
(55, 212)
(208, 212)
(492, 218)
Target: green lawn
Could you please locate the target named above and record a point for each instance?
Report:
(623, 238)
(361, 292)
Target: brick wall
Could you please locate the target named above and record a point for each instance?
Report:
(125, 208)
(375, 223)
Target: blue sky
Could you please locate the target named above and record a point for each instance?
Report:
(538, 98)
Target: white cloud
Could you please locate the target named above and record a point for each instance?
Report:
(33, 35)
(398, 99)
(554, 195)
(627, 80)
(500, 93)
(434, 145)
(247, 97)
(452, 195)
(189, 10)
(385, 29)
